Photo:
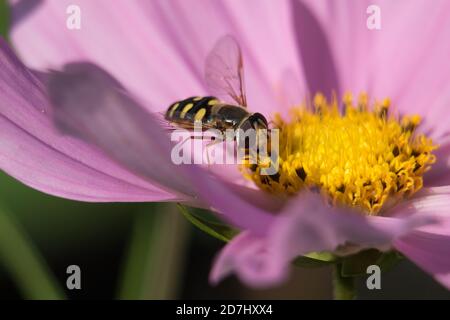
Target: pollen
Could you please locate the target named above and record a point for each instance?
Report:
(361, 155)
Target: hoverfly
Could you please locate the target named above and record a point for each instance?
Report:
(224, 76)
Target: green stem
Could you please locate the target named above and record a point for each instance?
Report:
(155, 255)
(343, 287)
(23, 261)
(4, 19)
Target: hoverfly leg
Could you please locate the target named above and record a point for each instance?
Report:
(191, 137)
(208, 146)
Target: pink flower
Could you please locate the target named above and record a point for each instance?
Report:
(116, 151)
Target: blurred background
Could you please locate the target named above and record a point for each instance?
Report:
(139, 251)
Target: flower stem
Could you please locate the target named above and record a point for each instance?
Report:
(24, 262)
(4, 19)
(343, 287)
(155, 256)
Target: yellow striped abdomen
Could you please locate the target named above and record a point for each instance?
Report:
(191, 109)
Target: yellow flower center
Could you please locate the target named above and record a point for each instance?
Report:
(361, 158)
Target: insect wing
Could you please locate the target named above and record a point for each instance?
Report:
(224, 72)
(164, 123)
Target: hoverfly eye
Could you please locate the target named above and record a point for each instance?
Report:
(256, 125)
(258, 121)
(259, 125)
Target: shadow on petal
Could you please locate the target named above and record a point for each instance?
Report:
(316, 55)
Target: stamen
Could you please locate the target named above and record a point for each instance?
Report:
(362, 158)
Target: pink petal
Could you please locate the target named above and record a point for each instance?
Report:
(32, 152)
(158, 49)
(430, 252)
(429, 201)
(119, 37)
(309, 225)
(93, 106)
(407, 60)
(90, 105)
(22, 8)
(305, 226)
(250, 257)
(315, 51)
(439, 175)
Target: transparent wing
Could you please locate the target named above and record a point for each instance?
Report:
(224, 71)
(163, 123)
